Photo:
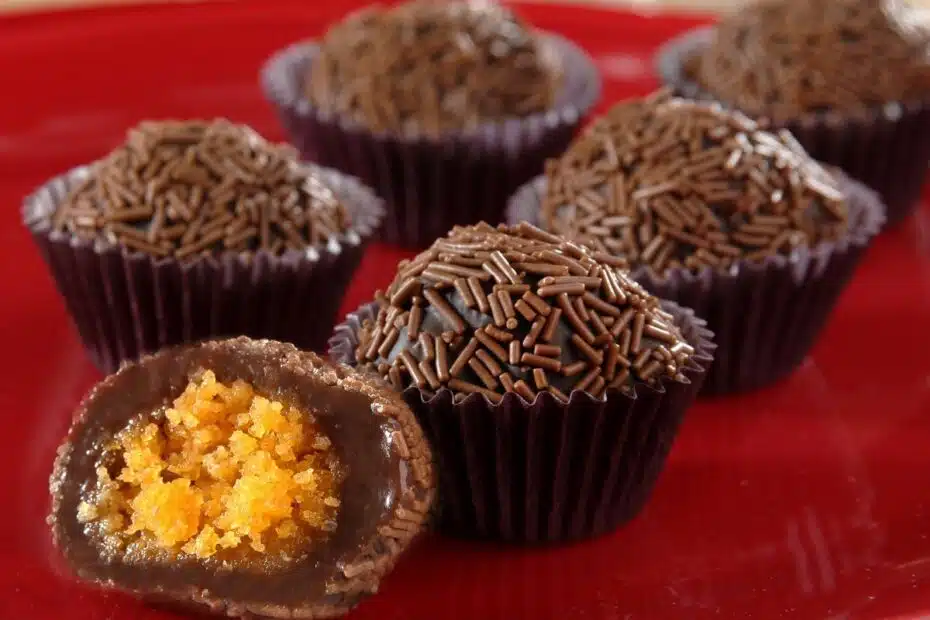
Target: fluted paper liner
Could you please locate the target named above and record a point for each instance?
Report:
(765, 316)
(432, 184)
(126, 303)
(887, 148)
(548, 471)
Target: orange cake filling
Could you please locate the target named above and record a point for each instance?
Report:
(224, 472)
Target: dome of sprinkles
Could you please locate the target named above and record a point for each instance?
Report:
(783, 58)
(515, 309)
(667, 183)
(187, 188)
(430, 67)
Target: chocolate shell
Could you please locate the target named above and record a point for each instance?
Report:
(386, 493)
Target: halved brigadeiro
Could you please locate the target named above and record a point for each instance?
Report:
(241, 477)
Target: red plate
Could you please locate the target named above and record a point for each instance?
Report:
(807, 500)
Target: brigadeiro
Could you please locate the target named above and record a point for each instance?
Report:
(849, 78)
(550, 384)
(737, 223)
(445, 108)
(193, 229)
(240, 477)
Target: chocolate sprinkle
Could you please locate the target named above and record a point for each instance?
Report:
(783, 58)
(675, 184)
(429, 67)
(562, 345)
(184, 189)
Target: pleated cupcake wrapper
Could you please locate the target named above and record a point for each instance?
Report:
(125, 303)
(547, 471)
(432, 184)
(765, 316)
(887, 148)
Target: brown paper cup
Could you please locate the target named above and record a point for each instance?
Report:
(547, 471)
(765, 316)
(887, 148)
(432, 184)
(126, 303)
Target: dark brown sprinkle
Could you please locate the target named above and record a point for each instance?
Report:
(491, 345)
(524, 390)
(413, 368)
(670, 200)
(442, 361)
(540, 379)
(537, 303)
(477, 292)
(482, 372)
(572, 317)
(552, 323)
(507, 306)
(581, 310)
(636, 338)
(427, 369)
(464, 356)
(507, 381)
(408, 290)
(610, 366)
(498, 334)
(445, 309)
(415, 318)
(783, 59)
(558, 289)
(497, 311)
(431, 67)
(525, 310)
(489, 361)
(427, 345)
(130, 202)
(595, 357)
(461, 286)
(603, 334)
(574, 368)
(511, 348)
(537, 361)
(547, 350)
(390, 339)
(535, 330)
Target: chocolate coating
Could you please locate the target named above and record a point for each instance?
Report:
(387, 491)
(515, 309)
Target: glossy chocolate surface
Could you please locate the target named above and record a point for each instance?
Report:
(377, 476)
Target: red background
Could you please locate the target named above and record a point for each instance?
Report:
(806, 500)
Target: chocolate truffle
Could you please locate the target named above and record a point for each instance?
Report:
(672, 184)
(192, 188)
(240, 477)
(200, 229)
(713, 213)
(785, 58)
(431, 67)
(514, 309)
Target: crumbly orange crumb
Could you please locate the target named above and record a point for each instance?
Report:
(224, 468)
